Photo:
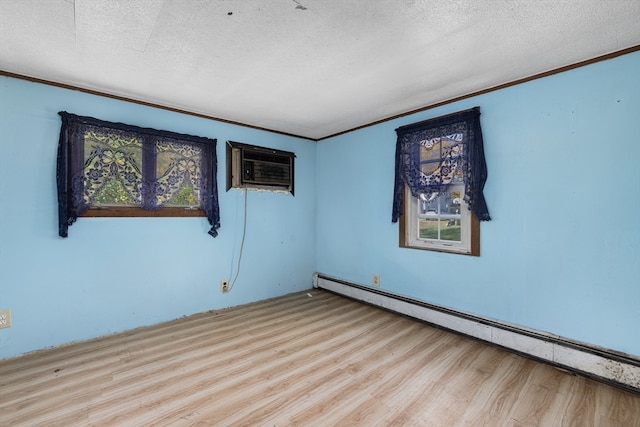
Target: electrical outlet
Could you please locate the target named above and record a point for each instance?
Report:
(224, 285)
(5, 318)
(376, 280)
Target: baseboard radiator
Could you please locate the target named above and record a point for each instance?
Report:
(605, 365)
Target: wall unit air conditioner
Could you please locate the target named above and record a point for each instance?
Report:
(250, 166)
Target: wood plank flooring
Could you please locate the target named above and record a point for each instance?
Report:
(297, 360)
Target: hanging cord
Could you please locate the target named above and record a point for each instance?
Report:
(244, 233)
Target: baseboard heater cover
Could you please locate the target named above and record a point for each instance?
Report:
(602, 364)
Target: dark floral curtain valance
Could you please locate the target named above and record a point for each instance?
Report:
(143, 167)
(460, 159)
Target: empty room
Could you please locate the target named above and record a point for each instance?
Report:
(319, 213)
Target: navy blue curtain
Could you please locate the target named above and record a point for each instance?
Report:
(465, 158)
(74, 176)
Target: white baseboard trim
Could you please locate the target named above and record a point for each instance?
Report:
(595, 362)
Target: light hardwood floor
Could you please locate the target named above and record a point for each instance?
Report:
(320, 361)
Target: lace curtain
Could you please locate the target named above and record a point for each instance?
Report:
(132, 166)
(434, 154)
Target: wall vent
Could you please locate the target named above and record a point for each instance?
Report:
(250, 166)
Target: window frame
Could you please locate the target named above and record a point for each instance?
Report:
(408, 231)
(71, 167)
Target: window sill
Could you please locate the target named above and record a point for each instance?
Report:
(127, 211)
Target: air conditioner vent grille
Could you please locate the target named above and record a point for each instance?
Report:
(265, 172)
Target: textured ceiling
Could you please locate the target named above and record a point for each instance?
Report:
(311, 68)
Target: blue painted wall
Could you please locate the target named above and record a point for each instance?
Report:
(114, 274)
(562, 253)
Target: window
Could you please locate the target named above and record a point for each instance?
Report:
(444, 223)
(113, 169)
(440, 175)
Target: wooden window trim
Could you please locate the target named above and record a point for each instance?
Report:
(131, 211)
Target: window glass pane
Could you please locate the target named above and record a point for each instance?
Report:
(451, 145)
(113, 193)
(442, 157)
(450, 230)
(112, 168)
(429, 168)
(428, 228)
(428, 207)
(430, 150)
(439, 219)
(178, 173)
(457, 177)
(450, 202)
